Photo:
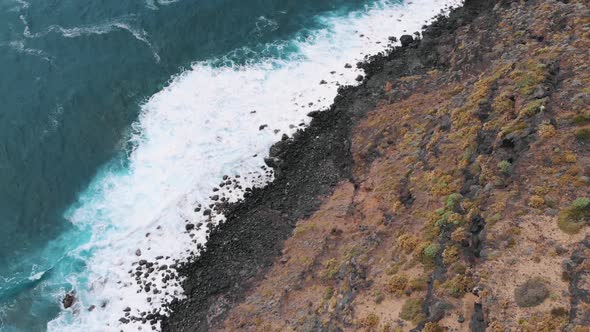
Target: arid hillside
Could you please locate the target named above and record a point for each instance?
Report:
(468, 203)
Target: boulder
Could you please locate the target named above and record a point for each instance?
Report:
(406, 40)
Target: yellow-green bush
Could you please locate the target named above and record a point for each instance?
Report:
(397, 284)
(412, 311)
(575, 216)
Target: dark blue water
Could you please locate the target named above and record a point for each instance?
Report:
(72, 77)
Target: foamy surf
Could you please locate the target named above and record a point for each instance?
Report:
(125, 23)
(208, 122)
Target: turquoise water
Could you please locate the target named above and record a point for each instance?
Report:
(91, 123)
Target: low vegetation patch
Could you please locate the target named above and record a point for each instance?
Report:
(582, 134)
(397, 284)
(531, 293)
(577, 215)
(412, 311)
(371, 321)
(432, 327)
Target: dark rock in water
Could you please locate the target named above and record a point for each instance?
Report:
(262, 127)
(123, 320)
(313, 114)
(406, 40)
(348, 65)
(127, 309)
(137, 252)
(92, 307)
(360, 78)
(322, 82)
(393, 39)
(189, 227)
(215, 197)
(277, 149)
(142, 262)
(69, 300)
(207, 212)
(271, 162)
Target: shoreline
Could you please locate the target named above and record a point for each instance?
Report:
(245, 246)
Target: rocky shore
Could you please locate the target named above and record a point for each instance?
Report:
(433, 196)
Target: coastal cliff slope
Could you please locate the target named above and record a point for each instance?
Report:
(450, 191)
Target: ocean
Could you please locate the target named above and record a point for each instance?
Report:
(118, 118)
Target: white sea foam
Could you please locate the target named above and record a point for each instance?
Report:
(152, 4)
(199, 128)
(125, 23)
(19, 46)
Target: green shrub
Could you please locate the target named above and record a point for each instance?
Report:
(581, 119)
(329, 293)
(431, 251)
(418, 284)
(397, 284)
(559, 312)
(412, 311)
(505, 167)
(371, 321)
(379, 297)
(583, 134)
(576, 216)
(453, 201)
(533, 108)
(432, 327)
(457, 286)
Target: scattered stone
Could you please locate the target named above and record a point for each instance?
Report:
(540, 92)
(138, 252)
